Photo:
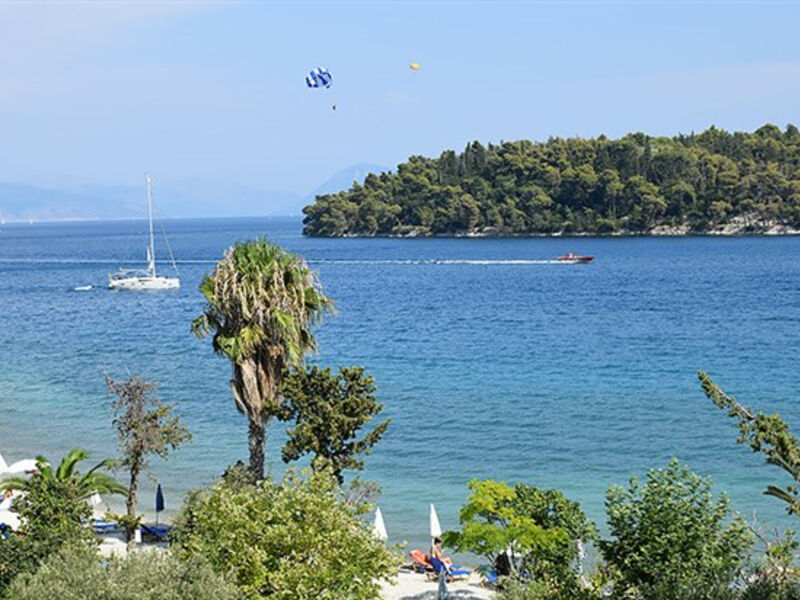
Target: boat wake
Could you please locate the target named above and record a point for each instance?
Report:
(437, 261)
(321, 261)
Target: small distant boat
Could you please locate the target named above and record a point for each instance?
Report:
(82, 288)
(137, 279)
(575, 258)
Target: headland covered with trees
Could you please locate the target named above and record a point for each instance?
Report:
(714, 182)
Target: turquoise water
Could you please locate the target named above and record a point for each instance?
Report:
(490, 363)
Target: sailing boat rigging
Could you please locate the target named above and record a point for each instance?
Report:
(147, 279)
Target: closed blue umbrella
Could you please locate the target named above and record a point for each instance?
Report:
(159, 501)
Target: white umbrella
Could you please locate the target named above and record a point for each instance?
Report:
(95, 499)
(10, 518)
(379, 527)
(436, 529)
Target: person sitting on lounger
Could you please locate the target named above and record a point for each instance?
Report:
(436, 551)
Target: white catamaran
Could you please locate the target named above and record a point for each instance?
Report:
(137, 279)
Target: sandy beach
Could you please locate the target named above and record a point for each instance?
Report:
(415, 586)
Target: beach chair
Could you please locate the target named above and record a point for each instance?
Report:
(420, 563)
(453, 572)
(102, 526)
(157, 532)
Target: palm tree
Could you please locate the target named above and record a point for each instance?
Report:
(91, 482)
(262, 303)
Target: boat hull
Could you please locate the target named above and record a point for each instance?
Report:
(575, 259)
(144, 283)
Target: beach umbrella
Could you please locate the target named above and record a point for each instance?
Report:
(436, 529)
(95, 499)
(11, 519)
(159, 501)
(379, 527)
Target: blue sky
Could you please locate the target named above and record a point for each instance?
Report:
(101, 92)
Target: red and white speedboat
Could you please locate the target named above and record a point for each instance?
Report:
(575, 258)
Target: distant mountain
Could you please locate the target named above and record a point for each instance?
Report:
(343, 180)
(20, 202)
(191, 198)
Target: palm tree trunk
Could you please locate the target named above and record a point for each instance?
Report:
(256, 441)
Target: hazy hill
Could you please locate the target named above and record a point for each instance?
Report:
(23, 202)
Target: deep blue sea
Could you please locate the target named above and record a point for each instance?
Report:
(491, 364)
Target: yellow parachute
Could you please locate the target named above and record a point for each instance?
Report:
(414, 66)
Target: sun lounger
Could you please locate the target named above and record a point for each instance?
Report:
(159, 532)
(421, 563)
(102, 526)
(452, 571)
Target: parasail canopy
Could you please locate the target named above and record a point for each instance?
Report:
(319, 77)
(414, 66)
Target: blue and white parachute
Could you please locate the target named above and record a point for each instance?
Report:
(319, 77)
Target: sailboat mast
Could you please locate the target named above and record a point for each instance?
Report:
(151, 254)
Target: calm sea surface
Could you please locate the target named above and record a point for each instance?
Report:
(491, 364)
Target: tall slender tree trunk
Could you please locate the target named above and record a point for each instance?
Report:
(133, 492)
(256, 441)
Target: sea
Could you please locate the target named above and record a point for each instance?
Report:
(491, 359)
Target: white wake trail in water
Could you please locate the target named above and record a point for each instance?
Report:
(324, 261)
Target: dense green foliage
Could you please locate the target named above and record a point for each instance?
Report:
(86, 484)
(294, 540)
(768, 434)
(145, 426)
(672, 538)
(52, 512)
(541, 526)
(76, 573)
(328, 412)
(578, 185)
(262, 303)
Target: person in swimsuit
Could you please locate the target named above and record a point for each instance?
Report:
(436, 551)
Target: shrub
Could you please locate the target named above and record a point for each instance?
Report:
(76, 573)
(291, 540)
(541, 526)
(673, 539)
(52, 512)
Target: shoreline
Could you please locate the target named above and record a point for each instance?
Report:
(657, 232)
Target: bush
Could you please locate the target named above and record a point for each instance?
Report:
(291, 540)
(542, 526)
(76, 573)
(52, 512)
(771, 589)
(673, 539)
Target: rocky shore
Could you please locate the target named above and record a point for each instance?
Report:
(745, 225)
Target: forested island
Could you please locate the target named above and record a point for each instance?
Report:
(714, 182)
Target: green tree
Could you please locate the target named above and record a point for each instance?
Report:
(145, 426)
(94, 481)
(329, 411)
(52, 512)
(542, 528)
(768, 434)
(76, 572)
(294, 540)
(672, 538)
(262, 303)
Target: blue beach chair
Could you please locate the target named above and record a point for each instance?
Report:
(102, 526)
(452, 571)
(159, 532)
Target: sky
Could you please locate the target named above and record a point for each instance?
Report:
(99, 92)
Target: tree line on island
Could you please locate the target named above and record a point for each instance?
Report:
(305, 536)
(638, 184)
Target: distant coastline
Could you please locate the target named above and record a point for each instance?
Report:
(732, 229)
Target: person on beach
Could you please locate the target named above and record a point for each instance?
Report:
(436, 551)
